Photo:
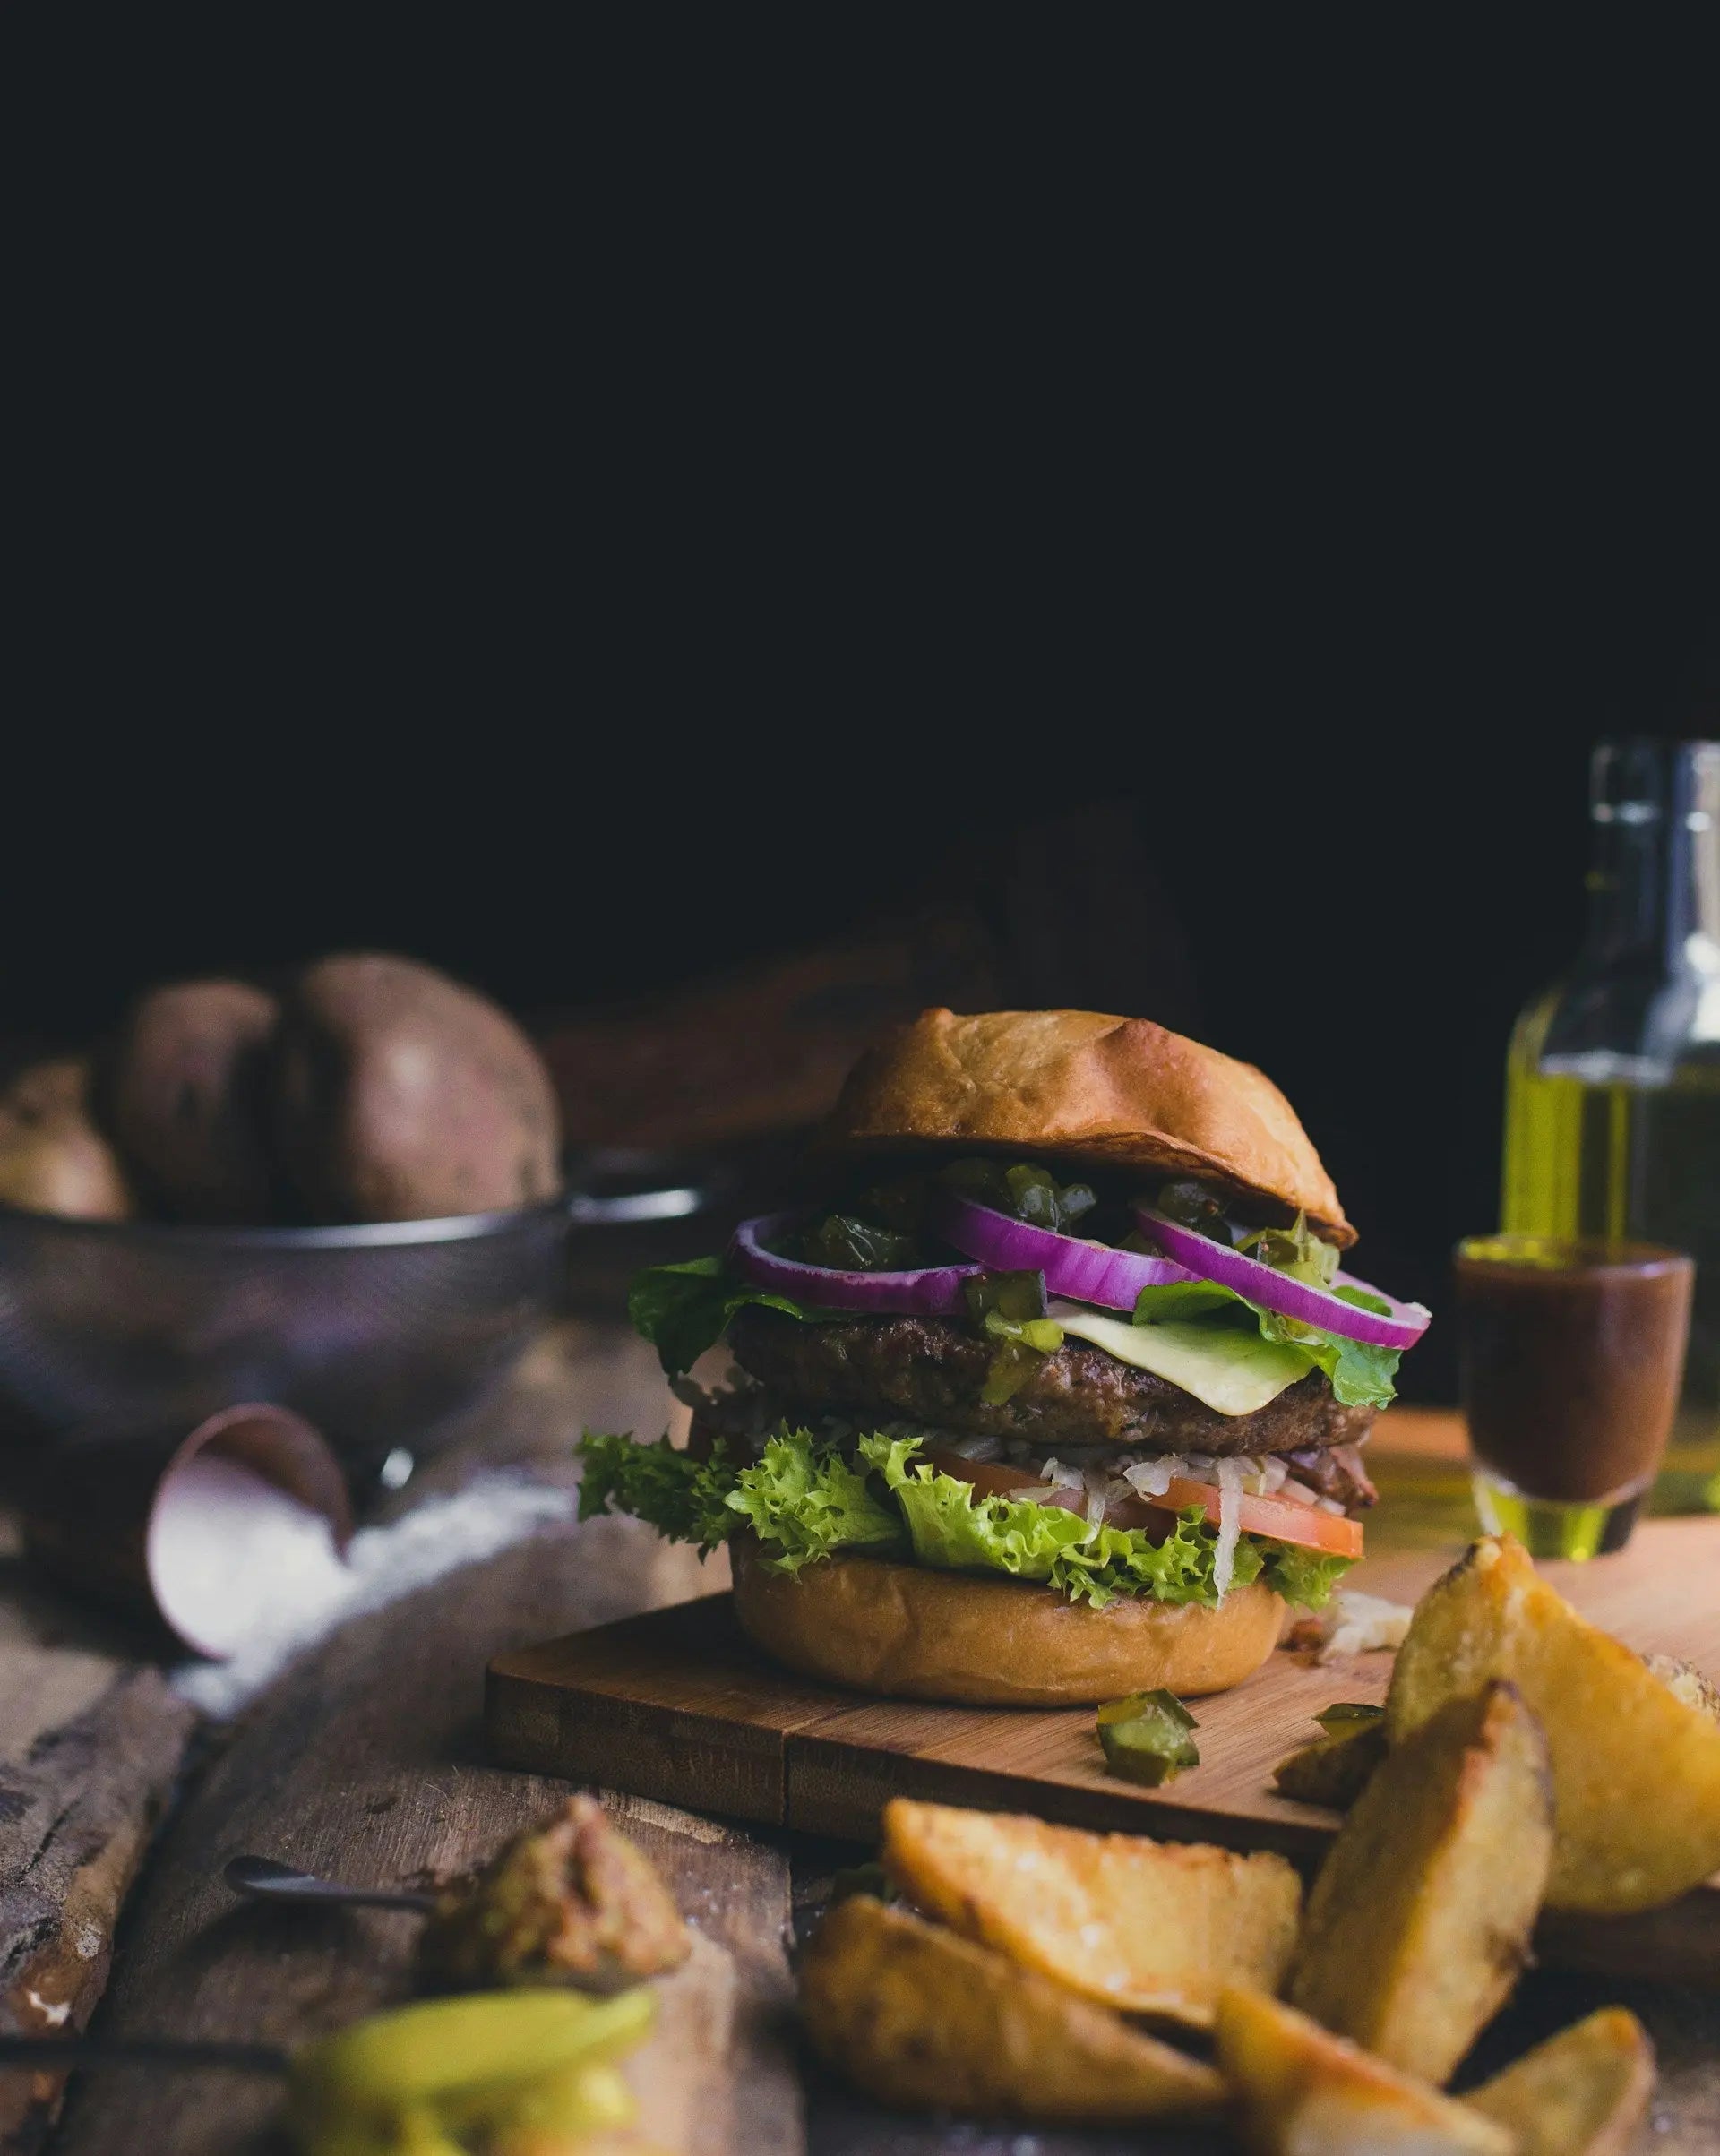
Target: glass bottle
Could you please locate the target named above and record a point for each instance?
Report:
(1612, 1079)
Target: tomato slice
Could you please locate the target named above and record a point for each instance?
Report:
(991, 1478)
(1282, 1518)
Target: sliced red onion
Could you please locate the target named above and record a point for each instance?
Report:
(934, 1291)
(1085, 1272)
(1402, 1325)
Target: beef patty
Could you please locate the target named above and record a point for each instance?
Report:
(926, 1370)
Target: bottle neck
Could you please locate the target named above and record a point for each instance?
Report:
(1653, 880)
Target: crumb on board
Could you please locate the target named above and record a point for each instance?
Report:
(1351, 1623)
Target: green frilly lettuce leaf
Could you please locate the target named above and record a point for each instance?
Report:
(957, 1530)
(683, 1499)
(802, 1503)
(1302, 1575)
(805, 1501)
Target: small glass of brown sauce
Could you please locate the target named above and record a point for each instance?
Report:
(1571, 1356)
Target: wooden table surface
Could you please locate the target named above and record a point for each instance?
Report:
(365, 1760)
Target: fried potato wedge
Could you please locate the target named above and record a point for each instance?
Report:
(1584, 2092)
(1685, 1681)
(1419, 1921)
(1300, 2091)
(923, 2019)
(1149, 1927)
(1636, 1770)
(1333, 1770)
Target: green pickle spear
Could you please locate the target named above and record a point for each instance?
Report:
(1145, 1738)
(407, 2082)
(579, 2099)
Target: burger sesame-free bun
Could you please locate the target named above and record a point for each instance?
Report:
(912, 1633)
(1080, 1086)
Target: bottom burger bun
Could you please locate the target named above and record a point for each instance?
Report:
(912, 1633)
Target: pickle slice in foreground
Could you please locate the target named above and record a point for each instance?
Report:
(1145, 1738)
(1160, 1702)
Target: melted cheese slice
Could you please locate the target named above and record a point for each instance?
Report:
(1231, 1371)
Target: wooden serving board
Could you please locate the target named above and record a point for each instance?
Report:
(678, 1705)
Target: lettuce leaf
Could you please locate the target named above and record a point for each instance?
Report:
(1306, 1576)
(1360, 1376)
(1182, 1299)
(804, 1503)
(802, 1500)
(683, 1499)
(682, 1309)
(952, 1527)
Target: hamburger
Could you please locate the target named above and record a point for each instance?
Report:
(1054, 1389)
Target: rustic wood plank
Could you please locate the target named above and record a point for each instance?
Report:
(652, 1689)
(91, 1743)
(715, 2078)
(365, 1763)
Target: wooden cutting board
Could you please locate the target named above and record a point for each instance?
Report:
(678, 1707)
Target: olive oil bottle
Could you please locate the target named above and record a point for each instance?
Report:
(1612, 1081)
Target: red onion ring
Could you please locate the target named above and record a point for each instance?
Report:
(933, 1291)
(1402, 1326)
(1085, 1272)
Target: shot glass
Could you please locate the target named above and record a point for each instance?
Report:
(1571, 1356)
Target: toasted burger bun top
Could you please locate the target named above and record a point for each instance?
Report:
(1098, 1091)
(912, 1633)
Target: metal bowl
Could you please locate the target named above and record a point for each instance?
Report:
(374, 1333)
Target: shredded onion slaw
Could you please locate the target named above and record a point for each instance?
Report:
(1230, 1524)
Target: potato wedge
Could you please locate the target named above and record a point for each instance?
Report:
(1636, 1770)
(1584, 2092)
(1333, 1770)
(1685, 1681)
(1419, 1921)
(1300, 2091)
(1149, 1927)
(923, 2019)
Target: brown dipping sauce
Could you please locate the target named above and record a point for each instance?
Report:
(1571, 1356)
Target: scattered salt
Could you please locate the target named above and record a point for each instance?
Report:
(439, 1536)
(231, 1555)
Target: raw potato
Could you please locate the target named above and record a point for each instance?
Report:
(1584, 2092)
(1335, 1769)
(53, 1159)
(1301, 2091)
(926, 2021)
(185, 1088)
(401, 1095)
(1148, 1927)
(1636, 1771)
(1419, 1922)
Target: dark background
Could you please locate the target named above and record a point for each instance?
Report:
(589, 570)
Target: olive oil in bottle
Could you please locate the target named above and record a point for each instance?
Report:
(1613, 1081)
